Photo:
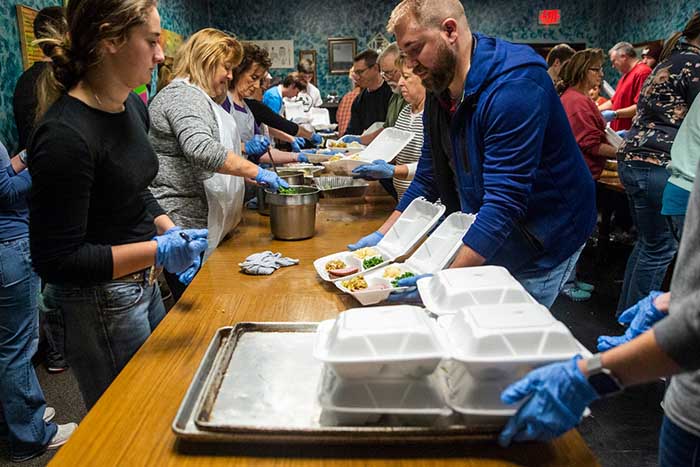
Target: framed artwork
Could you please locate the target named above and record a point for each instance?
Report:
(281, 52)
(309, 55)
(341, 51)
(25, 22)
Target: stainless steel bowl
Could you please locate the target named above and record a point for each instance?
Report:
(293, 217)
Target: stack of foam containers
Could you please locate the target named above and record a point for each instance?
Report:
(496, 333)
(381, 362)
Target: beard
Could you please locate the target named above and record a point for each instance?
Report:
(440, 77)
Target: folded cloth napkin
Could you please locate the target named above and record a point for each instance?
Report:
(265, 263)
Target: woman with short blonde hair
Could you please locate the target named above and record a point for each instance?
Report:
(195, 139)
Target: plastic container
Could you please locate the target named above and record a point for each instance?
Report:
(452, 289)
(386, 146)
(359, 402)
(491, 347)
(380, 342)
(433, 255)
(349, 148)
(413, 224)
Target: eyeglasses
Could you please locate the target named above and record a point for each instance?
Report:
(361, 72)
(387, 75)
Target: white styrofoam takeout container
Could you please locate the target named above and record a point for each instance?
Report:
(418, 401)
(350, 148)
(380, 342)
(493, 346)
(414, 223)
(436, 253)
(449, 290)
(386, 146)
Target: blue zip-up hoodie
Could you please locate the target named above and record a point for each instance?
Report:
(516, 162)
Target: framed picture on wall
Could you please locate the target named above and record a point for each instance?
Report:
(341, 50)
(310, 56)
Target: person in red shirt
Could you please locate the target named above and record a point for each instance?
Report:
(620, 110)
(577, 77)
(344, 111)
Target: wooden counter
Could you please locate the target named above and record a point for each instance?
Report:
(130, 424)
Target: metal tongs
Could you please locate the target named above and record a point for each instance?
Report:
(274, 167)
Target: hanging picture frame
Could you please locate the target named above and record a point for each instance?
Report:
(310, 55)
(341, 51)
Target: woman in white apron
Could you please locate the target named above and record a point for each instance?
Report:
(198, 146)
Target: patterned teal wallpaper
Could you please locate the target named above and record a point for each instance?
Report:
(183, 16)
(310, 22)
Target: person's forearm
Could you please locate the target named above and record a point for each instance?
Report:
(304, 133)
(389, 222)
(237, 165)
(606, 150)
(401, 172)
(639, 361)
(281, 135)
(163, 224)
(627, 112)
(368, 138)
(466, 257)
(133, 257)
(281, 157)
(607, 105)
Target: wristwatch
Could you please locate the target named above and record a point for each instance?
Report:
(603, 380)
(23, 156)
(614, 114)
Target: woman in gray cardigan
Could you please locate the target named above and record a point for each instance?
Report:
(185, 133)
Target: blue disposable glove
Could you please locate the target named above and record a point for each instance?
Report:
(410, 295)
(622, 133)
(176, 253)
(369, 240)
(302, 157)
(188, 274)
(270, 179)
(557, 395)
(316, 139)
(608, 115)
(350, 139)
(640, 318)
(298, 144)
(257, 146)
(377, 170)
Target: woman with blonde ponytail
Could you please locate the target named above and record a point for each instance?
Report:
(98, 237)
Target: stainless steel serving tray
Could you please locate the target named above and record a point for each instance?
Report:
(257, 382)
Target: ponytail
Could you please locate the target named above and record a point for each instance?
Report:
(690, 31)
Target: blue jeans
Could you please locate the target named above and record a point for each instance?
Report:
(655, 247)
(677, 447)
(105, 325)
(544, 286)
(675, 224)
(22, 402)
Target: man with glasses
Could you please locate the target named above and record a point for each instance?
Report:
(373, 102)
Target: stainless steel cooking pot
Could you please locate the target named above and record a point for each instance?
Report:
(293, 217)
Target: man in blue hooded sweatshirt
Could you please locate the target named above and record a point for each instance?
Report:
(498, 143)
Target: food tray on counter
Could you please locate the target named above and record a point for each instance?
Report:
(257, 382)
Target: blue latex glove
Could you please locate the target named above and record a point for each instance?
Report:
(411, 295)
(316, 139)
(608, 115)
(369, 240)
(270, 179)
(557, 395)
(640, 318)
(175, 253)
(188, 274)
(622, 133)
(257, 146)
(350, 139)
(377, 170)
(302, 157)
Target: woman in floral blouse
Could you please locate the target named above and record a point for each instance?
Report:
(663, 103)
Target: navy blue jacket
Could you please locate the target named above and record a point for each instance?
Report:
(508, 154)
(14, 190)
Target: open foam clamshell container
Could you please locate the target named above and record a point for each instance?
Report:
(449, 290)
(493, 346)
(380, 342)
(386, 146)
(417, 401)
(434, 254)
(414, 223)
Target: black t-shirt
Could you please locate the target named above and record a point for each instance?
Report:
(24, 101)
(369, 107)
(90, 172)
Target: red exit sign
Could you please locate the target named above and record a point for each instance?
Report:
(550, 17)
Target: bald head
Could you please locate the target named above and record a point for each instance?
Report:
(426, 13)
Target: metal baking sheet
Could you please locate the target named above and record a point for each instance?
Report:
(257, 383)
